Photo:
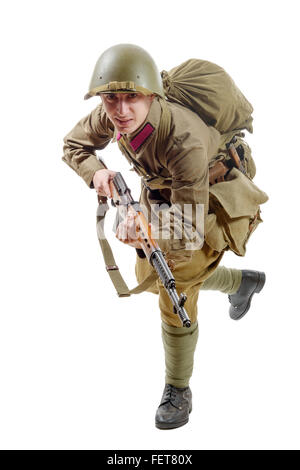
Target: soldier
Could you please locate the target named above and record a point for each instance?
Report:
(170, 148)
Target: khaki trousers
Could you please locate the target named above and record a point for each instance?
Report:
(189, 276)
(201, 272)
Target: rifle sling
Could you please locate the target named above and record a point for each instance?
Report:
(111, 265)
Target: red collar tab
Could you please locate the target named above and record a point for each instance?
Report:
(119, 135)
(141, 137)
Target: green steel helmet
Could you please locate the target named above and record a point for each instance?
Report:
(125, 68)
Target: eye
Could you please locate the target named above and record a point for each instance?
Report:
(111, 97)
(133, 95)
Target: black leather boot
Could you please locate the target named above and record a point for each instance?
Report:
(252, 282)
(174, 408)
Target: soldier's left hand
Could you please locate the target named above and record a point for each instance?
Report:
(127, 233)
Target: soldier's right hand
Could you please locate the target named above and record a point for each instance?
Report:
(101, 181)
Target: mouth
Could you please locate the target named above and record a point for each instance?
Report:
(123, 122)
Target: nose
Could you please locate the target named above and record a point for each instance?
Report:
(122, 106)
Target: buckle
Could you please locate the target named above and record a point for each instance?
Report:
(111, 267)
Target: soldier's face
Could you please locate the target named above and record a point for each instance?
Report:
(127, 111)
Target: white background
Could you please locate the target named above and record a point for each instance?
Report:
(81, 368)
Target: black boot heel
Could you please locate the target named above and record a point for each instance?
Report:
(252, 283)
(261, 282)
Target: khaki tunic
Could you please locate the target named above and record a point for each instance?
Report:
(175, 175)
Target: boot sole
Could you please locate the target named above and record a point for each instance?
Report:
(172, 425)
(260, 284)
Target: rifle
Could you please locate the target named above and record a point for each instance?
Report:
(121, 195)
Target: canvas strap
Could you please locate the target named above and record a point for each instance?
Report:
(110, 262)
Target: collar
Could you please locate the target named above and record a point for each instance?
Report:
(138, 140)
